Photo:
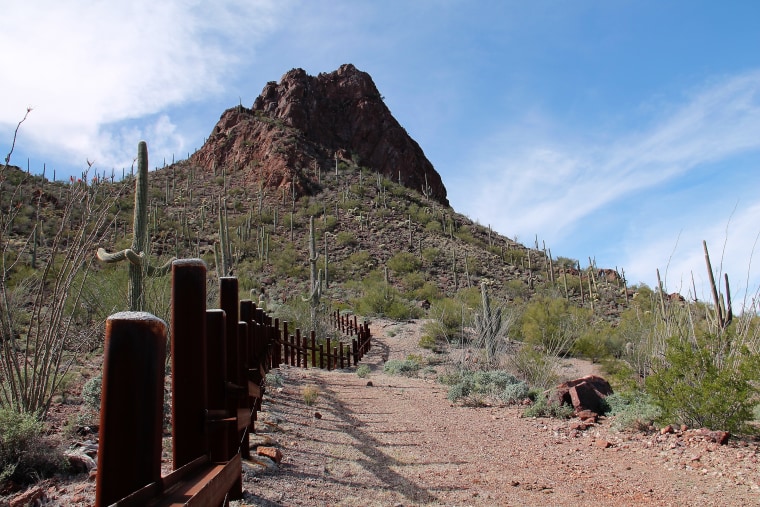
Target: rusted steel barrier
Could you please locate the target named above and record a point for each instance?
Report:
(295, 349)
(219, 364)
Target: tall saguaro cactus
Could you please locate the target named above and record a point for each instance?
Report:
(138, 264)
(315, 275)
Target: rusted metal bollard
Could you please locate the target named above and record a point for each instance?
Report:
(131, 407)
(188, 350)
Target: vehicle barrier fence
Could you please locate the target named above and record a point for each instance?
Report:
(219, 360)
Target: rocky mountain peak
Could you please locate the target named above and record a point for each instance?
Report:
(305, 122)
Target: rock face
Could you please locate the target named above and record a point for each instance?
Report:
(305, 125)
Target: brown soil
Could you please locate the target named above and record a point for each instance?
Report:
(397, 441)
(401, 442)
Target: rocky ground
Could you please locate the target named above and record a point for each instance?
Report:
(397, 441)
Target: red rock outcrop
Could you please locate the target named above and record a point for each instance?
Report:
(305, 122)
(585, 393)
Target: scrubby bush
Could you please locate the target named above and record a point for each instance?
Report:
(542, 407)
(25, 456)
(310, 395)
(405, 367)
(404, 262)
(494, 384)
(694, 388)
(91, 392)
(362, 371)
(632, 411)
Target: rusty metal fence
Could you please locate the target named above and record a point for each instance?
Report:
(219, 360)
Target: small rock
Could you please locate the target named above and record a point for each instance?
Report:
(317, 415)
(604, 444)
(667, 429)
(28, 497)
(369, 383)
(270, 452)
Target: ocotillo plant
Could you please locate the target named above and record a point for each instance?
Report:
(138, 264)
(723, 313)
(488, 325)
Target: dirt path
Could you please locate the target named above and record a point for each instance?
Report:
(401, 442)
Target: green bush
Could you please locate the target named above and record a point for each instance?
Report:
(693, 388)
(542, 407)
(405, 367)
(25, 456)
(362, 371)
(632, 411)
(404, 262)
(91, 392)
(496, 384)
(274, 380)
(346, 238)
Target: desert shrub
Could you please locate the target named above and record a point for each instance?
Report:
(91, 392)
(427, 291)
(542, 407)
(287, 262)
(554, 324)
(310, 394)
(404, 262)
(631, 411)
(535, 366)
(405, 367)
(362, 371)
(431, 254)
(413, 281)
(427, 342)
(514, 393)
(380, 298)
(694, 388)
(495, 384)
(597, 343)
(434, 226)
(346, 238)
(273, 380)
(25, 456)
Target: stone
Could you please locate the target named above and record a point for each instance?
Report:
(79, 461)
(604, 444)
(28, 497)
(587, 416)
(585, 393)
(306, 121)
(272, 453)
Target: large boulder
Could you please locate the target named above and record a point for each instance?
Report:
(585, 393)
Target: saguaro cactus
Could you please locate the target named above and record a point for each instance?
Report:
(315, 275)
(138, 264)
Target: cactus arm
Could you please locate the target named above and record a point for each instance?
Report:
(133, 257)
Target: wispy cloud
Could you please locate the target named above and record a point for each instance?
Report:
(112, 62)
(549, 188)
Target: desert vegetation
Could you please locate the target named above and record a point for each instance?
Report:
(505, 316)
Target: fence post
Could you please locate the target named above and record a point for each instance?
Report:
(228, 301)
(188, 352)
(329, 351)
(342, 362)
(129, 455)
(313, 348)
(285, 345)
(216, 356)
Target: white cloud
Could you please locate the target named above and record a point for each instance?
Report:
(552, 189)
(87, 66)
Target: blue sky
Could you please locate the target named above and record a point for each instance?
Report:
(625, 131)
